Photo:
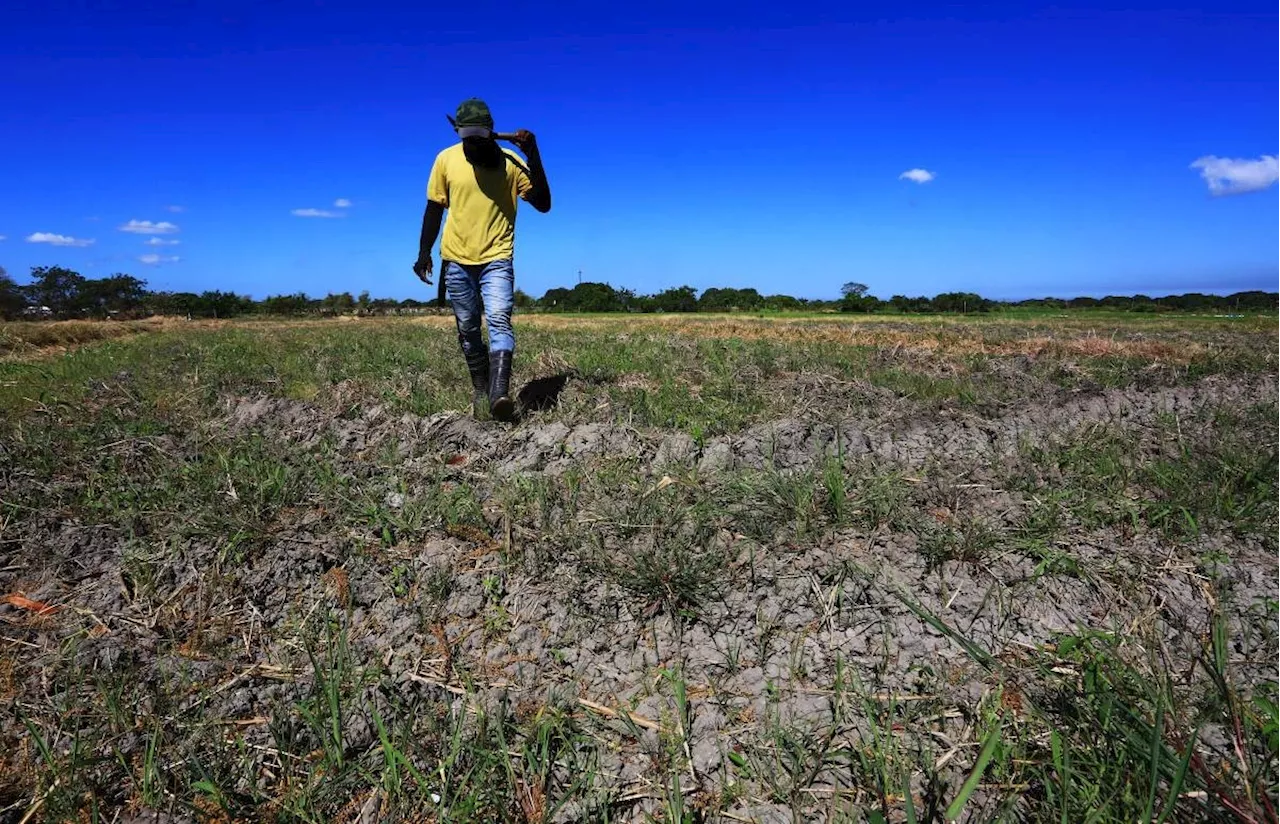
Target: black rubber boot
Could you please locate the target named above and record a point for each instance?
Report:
(500, 402)
(478, 364)
(480, 390)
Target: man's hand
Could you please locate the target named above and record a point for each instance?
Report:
(525, 141)
(540, 196)
(431, 218)
(423, 269)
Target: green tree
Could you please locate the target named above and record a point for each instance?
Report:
(295, 304)
(556, 300)
(112, 295)
(854, 298)
(12, 299)
(219, 304)
(962, 302)
(907, 305)
(57, 288)
(596, 297)
(1190, 302)
(169, 303)
(338, 304)
(675, 299)
(1253, 300)
(729, 300)
(588, 297)
(782, 303)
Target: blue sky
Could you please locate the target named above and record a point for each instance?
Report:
(713, 144)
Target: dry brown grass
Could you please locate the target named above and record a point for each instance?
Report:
(1099, 347)
(931, 336)
(23, 339)
(340, 582)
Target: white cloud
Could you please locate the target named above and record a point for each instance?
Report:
(314, 213)
(57, 240)
(342, 203)
(917, 175)
(176, 209)
(157, 241)
(1235, 176)
(155, 260)
(146, 227)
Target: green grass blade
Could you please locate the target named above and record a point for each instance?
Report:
(1157, 755)
(1175, 787)
(909, 805)
(975, 775)
(1220, 644)
(45, 752)
(977, 653)
(1062, 764)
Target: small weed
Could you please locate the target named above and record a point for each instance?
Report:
(836, 498)
(882, 499)
(791, 756)
(661, 548)
(325, 710)
(437, 585)
(401, 580)
(966, 539)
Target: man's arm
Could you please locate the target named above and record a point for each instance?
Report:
(539, 196)
(431, 218)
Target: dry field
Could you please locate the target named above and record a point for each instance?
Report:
(723, 569)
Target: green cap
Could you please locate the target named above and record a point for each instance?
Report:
(473, 112)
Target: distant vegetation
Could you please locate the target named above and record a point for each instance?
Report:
(56, 292)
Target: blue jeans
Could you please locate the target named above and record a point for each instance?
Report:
(487, 288)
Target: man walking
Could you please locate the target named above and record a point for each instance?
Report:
(479, 183)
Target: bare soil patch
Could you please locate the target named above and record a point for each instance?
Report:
(689, 606)
(889, 429)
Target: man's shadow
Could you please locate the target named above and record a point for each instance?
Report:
(541, 394)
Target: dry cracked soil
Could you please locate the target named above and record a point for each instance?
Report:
(749, 612)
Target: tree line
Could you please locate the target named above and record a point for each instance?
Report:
(854, 298)
(57, 292)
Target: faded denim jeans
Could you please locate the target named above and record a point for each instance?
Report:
(487, 288)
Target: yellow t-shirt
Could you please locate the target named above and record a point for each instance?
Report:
(480, 225)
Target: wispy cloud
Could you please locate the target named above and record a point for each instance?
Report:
(917, 175)
(314, 213)
(159, 241)
(2, 237)
(1235, 176)
(176, 209)
(146, 227)
(342, 203)
(57, 240)
(156, 260)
